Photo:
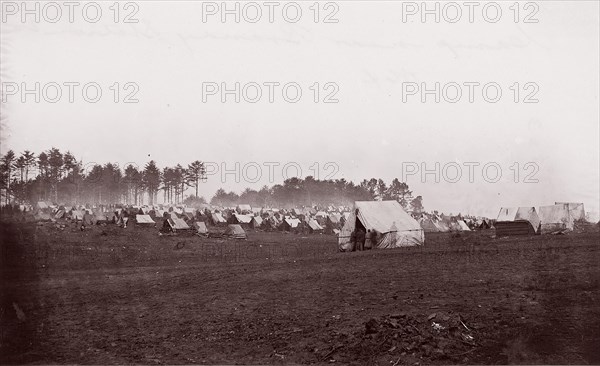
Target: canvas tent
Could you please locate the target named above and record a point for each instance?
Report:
(396, 228)
(428, 225)
(76, 215)
(442, 226)
(200, 228)
(334, 220)
(188, 216)
(175, 224)
(172, 215)
(257, 222)
(576, 210)
(555, 218)
(314, 227)
(217, 218)
(244, 208)
(289, 223)
(235, 231)
(483, 224)
(463, 225)
(242, 219)
(144, 220)
(517, 215)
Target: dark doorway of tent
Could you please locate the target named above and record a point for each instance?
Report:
(359, 226)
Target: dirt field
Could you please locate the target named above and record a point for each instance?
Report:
(110, 295)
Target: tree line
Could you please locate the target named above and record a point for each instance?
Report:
(61, 178)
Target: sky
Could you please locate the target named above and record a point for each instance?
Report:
(372, 61)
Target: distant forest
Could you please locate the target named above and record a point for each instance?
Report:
(60, 178)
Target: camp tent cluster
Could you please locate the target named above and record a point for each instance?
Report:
(434, 223)
(395, 227)
(559, 217)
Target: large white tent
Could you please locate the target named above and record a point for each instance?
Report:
(576, 209)
(510, 214)
(394, 226)
(555, 218)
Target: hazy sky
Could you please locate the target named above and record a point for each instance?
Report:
(370, 53)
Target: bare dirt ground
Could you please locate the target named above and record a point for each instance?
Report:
(115, 296)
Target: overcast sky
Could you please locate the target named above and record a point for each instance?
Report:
(369, 54)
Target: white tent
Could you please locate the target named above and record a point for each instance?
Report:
(555, 218)
(292, 223)
(244, 208)
(463, 225)
(519, 213)
(144, 219)
(177, 224)
(428, 225)
(235, 231)
(257, 221)
(77, 215)
(576, 210)
(243, 219)
(200, 228)
(441, 226)
(218, 218)
(314, 225)
(394, 226)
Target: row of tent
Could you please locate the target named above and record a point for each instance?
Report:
(441, 225)
(394, 226)
(180, 218)
(559, 217)
(510, 220)
(174, 224)
(171, 223)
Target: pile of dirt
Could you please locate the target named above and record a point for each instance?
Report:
(442, 337)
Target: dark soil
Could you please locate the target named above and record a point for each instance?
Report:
(107, 295)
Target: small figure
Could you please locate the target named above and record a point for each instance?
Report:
(360, 239)
(368, 239)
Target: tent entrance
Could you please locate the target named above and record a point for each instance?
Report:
(359, 226)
